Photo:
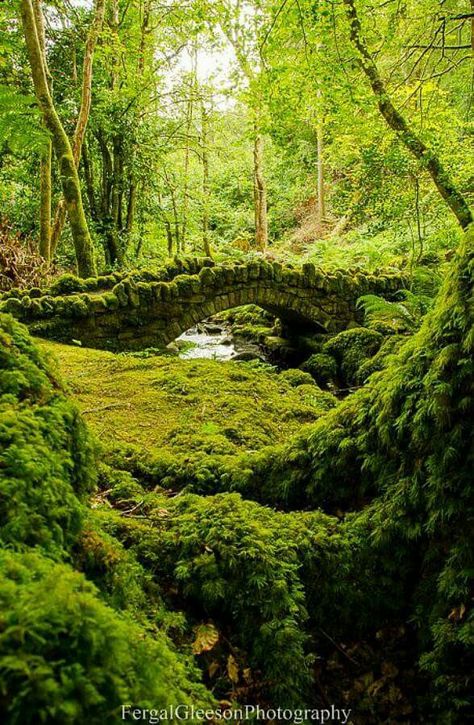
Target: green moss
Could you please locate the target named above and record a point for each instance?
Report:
(404, 442)
(68, 283)
(296, 377)
(312, 395)
(246, 314)
(45, 454)
(13, 305)
(398, 453)
(378, 361)
(67, 657)
(322, 367)
(351, 348)
(185, 408)
(253, 333)
(241, 563)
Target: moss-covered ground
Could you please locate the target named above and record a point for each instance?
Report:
(189, 407)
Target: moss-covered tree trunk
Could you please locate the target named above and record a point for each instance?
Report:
(45, 203)
(397, 122)
(84, 111)
(62, 147)
(320, 171)
(260, 192)
(205, 179)
(46, 158)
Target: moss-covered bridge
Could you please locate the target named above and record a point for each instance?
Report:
(144, 309)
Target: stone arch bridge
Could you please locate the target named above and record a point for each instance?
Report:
(134, 314)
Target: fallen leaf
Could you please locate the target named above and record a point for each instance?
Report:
(232, 669)
(457, 613)
(247, 675)
(212, 669)
(206, 638)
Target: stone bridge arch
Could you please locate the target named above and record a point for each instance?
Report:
(134, 315)
(294, 310)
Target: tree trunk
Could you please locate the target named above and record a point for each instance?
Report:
(260, 194)
(321, 191)
(144, 31)
(106, 191)
(46, 158)
(106, 223)
(189, 120)
(62, 147)
(84, 111)
(89, 179)
(45, 204)
(117, 182)
(131, 205)
(205, 181)
(169, 237)
(176, 223)
(397, 122)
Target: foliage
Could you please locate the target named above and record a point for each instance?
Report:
(171, 92)
(407, 436)
(379, 361)
(403, 315)
(238, 563)
(20, 126)
(66, 657)
(301, 548)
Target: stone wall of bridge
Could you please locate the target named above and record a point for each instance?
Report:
(134, 315)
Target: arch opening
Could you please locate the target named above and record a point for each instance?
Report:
(244, 332)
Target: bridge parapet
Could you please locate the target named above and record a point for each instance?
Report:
(135, 314)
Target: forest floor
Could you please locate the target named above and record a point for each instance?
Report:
(184, 411)
(186, 407)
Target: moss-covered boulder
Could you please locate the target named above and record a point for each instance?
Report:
(68, 653)
(296, 377)
(378, 361)
(351, 348)
(322, 367)
(46, 458)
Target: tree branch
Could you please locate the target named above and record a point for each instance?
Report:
(397, 123)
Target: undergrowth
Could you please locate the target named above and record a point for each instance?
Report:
(114, 588)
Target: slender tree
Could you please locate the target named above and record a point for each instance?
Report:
(426, 156)
(259, 188)
(60, 141)
(84, 111)
(238, 31)
(46, 159)
(45, 202)
(205, 178)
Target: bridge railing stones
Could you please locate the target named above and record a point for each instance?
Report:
(69, 284)
(140, 312)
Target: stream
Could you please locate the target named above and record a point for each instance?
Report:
(212, 341)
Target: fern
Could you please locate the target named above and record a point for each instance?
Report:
(20, 122)
(403, 315)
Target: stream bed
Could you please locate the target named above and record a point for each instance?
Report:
(212, 341)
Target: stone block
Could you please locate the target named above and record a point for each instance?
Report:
(277, 271)
(254, 270)
(207, 277)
